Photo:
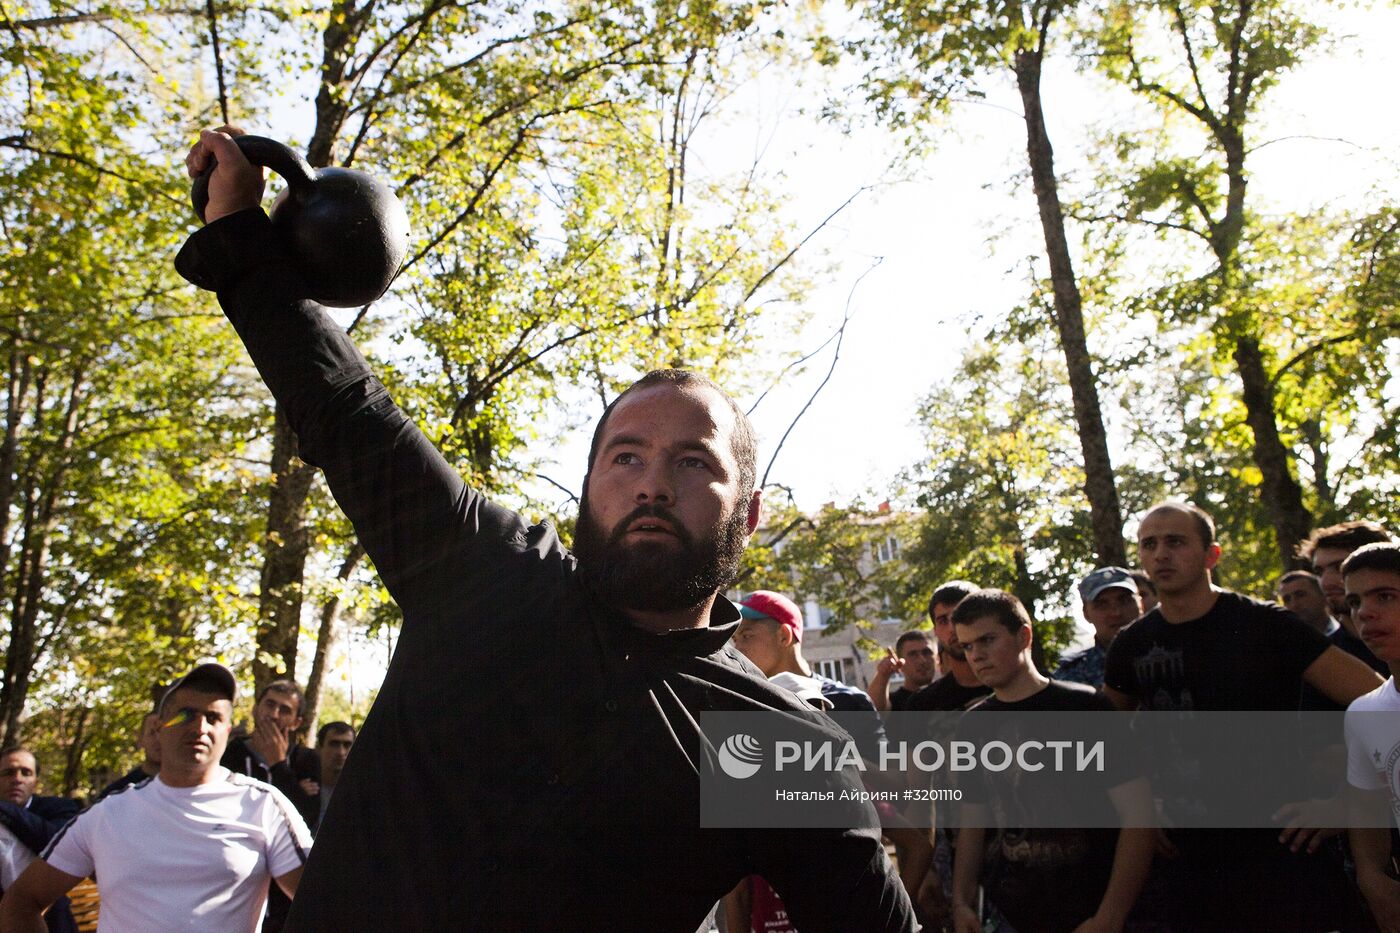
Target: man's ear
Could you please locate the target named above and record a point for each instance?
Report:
(1212, 556)
(1024, 635)
(755, 510)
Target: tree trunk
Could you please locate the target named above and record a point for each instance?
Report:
(284, 559)
(287, 544)
(1280, 491)
(326, 636)
(1105, 513)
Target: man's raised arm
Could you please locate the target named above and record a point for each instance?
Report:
(410, 509)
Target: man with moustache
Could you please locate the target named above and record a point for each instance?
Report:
(575, 807)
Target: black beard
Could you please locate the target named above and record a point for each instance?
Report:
(657, 579)
(956, 653)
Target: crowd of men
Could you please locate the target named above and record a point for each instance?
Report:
(533, 759)
(209, 832)
(1167, 639)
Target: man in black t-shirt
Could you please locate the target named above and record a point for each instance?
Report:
(957, 687)
(1041, 878)
(1204, 648)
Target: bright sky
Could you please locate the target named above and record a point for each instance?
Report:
(913, 314)
(939, 267)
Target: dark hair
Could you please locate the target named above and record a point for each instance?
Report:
(283, 686)
(998, 604)
(1205, 525)
(950, 594)
(743, 442)
(337, 726)
(1144, 583)
(1380, 555)
(1299, 575)
(911, 635)
(1347, 535)
(12, 749)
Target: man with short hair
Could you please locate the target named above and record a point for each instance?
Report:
(1206, 648)
(587, 791)
(333, 743)
(1371, 578)
(912, 656)
(1326, 549)
(1301, 593)
(957, 688)
(1109, 598)
(194, 848)
(31, 820)
(1042, 879)
(271, 753)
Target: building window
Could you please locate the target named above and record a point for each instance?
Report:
(835, 669)
(886, 550)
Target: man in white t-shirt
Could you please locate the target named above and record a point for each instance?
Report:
(192, 849)
(1372, 580)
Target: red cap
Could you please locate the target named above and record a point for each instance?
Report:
(765, 604)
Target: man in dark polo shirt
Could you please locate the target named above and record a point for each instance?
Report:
(476, 800)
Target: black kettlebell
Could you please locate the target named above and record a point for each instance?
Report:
(348, 231)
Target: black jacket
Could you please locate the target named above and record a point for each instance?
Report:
(474, 799)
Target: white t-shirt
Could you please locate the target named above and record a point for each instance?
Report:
(14, 858)
(1373, 742)
(184, 858)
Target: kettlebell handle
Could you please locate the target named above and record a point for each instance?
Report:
(259, 150)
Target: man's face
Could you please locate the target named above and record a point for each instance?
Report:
(194, 730)
(19, 776)
(948, 643)
(1374, 599)
(918, 662)
(1110, 610)
(1327, 564)
(762, 643)
(661, 527)
(335, 750)
(280, 708)
(993, 652)
(1303, 598)
(1172, 552)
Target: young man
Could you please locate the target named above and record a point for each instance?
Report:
(1051, 880)
(1205, 648)
(911, 655)
(194, 848)
(1301, 593)
(530, 759)
(957, 688)
(1371, 576)
(1326, 549)
(333, 743)
(1109, 598)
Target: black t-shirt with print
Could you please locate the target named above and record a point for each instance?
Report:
(1027, 860)
(1241, 655)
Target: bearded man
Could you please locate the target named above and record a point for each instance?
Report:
(531, 760)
